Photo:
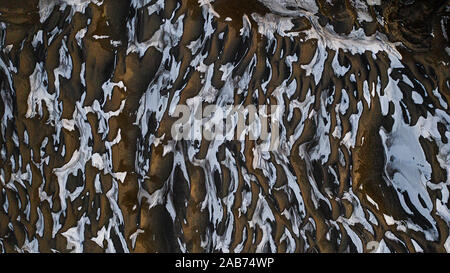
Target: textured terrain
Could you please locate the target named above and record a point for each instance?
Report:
(88, 89)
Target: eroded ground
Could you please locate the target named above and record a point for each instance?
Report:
(87, 162)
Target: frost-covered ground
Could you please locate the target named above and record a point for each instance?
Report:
(89, 89)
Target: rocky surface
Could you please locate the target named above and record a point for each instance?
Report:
(87, 163)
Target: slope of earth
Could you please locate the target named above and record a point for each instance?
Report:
(88, 91)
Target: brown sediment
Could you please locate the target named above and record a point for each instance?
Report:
(236, 9)
(369, 163)
(359, 170)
